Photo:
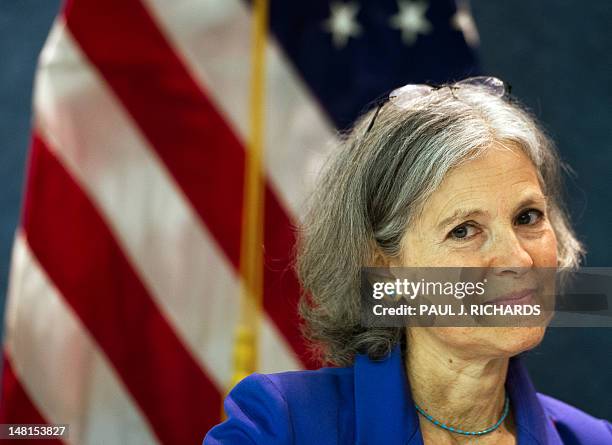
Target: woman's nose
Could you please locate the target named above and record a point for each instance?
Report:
(508, 253)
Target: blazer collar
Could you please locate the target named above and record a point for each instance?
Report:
(384, 406)
(532, 424)
(384, 412)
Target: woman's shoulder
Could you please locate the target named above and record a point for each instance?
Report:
(320, 381)
(284, 407)
(576, 426)
(301, 392)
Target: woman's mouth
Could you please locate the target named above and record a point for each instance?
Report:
(525, 296)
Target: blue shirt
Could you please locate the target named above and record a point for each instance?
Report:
(370, 403)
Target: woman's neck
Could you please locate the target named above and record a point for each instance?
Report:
(458, 390)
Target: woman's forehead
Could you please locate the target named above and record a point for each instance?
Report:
(499, 177)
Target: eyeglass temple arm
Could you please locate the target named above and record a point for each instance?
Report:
(380, 105)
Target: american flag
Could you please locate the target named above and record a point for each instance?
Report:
(124, 286)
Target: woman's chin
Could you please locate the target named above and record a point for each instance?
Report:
(491, 342)
(514, 340)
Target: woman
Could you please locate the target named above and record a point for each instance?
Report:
(459, 176)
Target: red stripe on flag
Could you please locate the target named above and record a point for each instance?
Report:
(81, 257)
(197, 146)
(15, 404)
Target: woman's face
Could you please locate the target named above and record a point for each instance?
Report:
(490, 213)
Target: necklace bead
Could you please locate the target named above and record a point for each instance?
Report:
(464, 432)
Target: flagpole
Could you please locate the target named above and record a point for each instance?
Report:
(245, 354)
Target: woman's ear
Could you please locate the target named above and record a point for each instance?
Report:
(378, 258)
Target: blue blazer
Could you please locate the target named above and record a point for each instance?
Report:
(370, 403)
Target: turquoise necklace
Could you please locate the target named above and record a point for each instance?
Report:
(467, 433)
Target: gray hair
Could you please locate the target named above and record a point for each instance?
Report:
(375, 184)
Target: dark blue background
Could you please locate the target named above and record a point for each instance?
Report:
(556, 55)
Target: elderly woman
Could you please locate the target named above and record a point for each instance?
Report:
(457, 175)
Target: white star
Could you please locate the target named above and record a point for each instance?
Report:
(343, 23)
(464, 22)
(411, 20)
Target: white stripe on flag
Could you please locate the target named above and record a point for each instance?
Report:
(65, 374)
(95, 139)
(213, 38)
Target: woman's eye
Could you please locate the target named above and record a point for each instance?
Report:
(462, 232)
(529, 217)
